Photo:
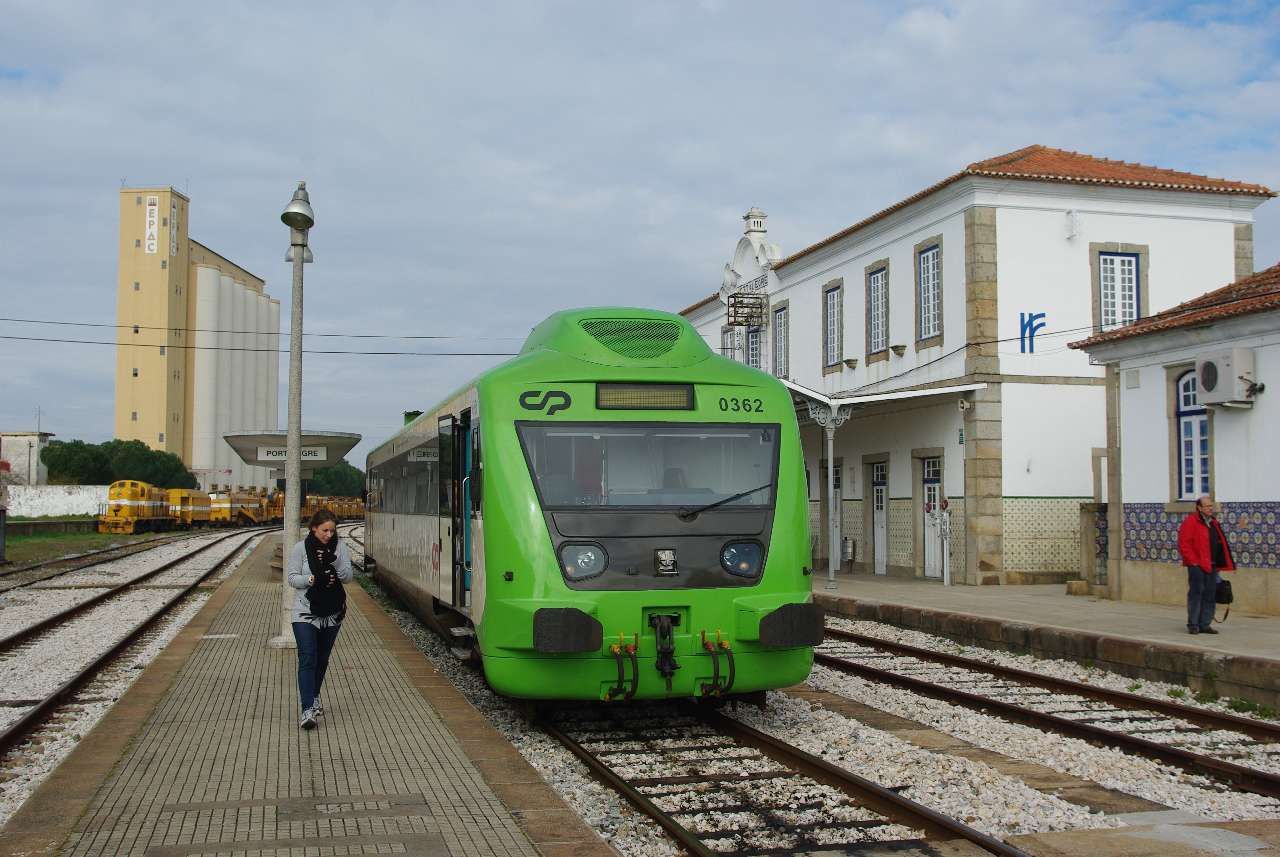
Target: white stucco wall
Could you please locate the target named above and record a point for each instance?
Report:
(1041, 269)
(1246, 457)
(38, 500)
(1050, 431)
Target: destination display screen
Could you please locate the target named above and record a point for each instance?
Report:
(644, 397)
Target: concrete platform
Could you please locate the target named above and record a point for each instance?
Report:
(203, 755)
(1147, 641)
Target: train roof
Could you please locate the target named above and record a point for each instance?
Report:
(605, 343)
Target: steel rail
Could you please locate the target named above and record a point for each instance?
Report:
(16, 731)
(1261, 730)
(894, 808)
(23, 634)
(875, 796)
(687, 840)
(1247, 779)
(143, 545)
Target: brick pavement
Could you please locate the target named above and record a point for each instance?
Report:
(219, 766)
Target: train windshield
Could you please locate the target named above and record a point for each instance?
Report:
(663, 465)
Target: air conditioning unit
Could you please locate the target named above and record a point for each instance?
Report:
(1224, 377)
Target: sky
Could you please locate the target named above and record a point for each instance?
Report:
(477, 166)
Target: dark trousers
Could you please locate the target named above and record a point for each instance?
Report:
(1202, 590)
(314, 646)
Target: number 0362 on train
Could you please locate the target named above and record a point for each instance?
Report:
(616, 513)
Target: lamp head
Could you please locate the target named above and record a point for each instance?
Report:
(298, 214)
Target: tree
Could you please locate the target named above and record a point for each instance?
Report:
(338, 480)
(78, 463)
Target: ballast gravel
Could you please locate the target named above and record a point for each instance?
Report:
(37, 668)
(118, 571)
(24, 767)
(971, 791)
(22, 608)
(1109, 768)
(1049, 667)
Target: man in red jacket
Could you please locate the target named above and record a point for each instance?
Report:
(1205, 552)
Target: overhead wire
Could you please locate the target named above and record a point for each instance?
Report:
(101, 324)
(267, 350)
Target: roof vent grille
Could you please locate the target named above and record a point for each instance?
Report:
(636, 338)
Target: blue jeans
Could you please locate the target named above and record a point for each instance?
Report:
(314, 646)
(1202, 590)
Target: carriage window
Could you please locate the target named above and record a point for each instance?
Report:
(651, 465)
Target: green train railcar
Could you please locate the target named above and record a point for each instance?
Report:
(616, 513)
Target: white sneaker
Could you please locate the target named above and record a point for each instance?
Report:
(316, 708)
(308, 719)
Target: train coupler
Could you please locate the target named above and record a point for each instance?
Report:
(666, 663)
(712, 689)
(728, 656)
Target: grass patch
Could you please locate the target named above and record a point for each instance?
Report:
(43, 546)
(1135, 687)
(1248, 706)
(1177, 693)
(16, 520)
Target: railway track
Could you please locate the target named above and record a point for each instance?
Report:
(34, 711)
(719, 787)
(1240, 751)
(15, 578)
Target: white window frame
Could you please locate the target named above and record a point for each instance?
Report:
(831, 326)
(929, 271)
(1193, 439)
(1119, 295)
(877, 310)
(754, 337)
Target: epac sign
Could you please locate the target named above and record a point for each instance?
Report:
(278, 453)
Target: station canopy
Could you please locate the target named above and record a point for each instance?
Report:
(267, 448)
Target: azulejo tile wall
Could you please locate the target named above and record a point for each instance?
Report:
(854, 528)
(1151, 533)
(958, 555)
(1042, 533)
(901, 542)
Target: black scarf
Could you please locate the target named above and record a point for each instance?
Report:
(326, 595)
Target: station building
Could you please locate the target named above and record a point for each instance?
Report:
(20, 451)
(939, 326)
(197, 343)
(1194, 417)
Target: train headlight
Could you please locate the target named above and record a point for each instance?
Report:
(743, 559)
(583, 561)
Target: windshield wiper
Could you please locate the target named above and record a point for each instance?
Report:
(690, 514)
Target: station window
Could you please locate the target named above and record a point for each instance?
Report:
(134, 416)
(1118, 276)
(161, 437)
(164, 263)
(754, 335)
(1192, 424)
(137, 286)
(832, 323)
(162, 350)
(929, 291)
(729, 342)
(781, 364)
(135, 328)
(877, 321)
(137, 242)
(135, 371)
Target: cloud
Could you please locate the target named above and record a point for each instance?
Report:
(475, 167)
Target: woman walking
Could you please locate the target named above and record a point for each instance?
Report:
(318, 566)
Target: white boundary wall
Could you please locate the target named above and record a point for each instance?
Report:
(34, 501)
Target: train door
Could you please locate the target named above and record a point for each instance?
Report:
(880, 516)
(931, 483)
(462, 513)
(444, 554)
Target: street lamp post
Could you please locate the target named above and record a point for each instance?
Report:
(299, 217)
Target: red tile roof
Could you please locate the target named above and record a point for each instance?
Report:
(700, 304)
(1041, 163)
(1257, 293)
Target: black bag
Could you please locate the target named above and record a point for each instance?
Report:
(1224, 596)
